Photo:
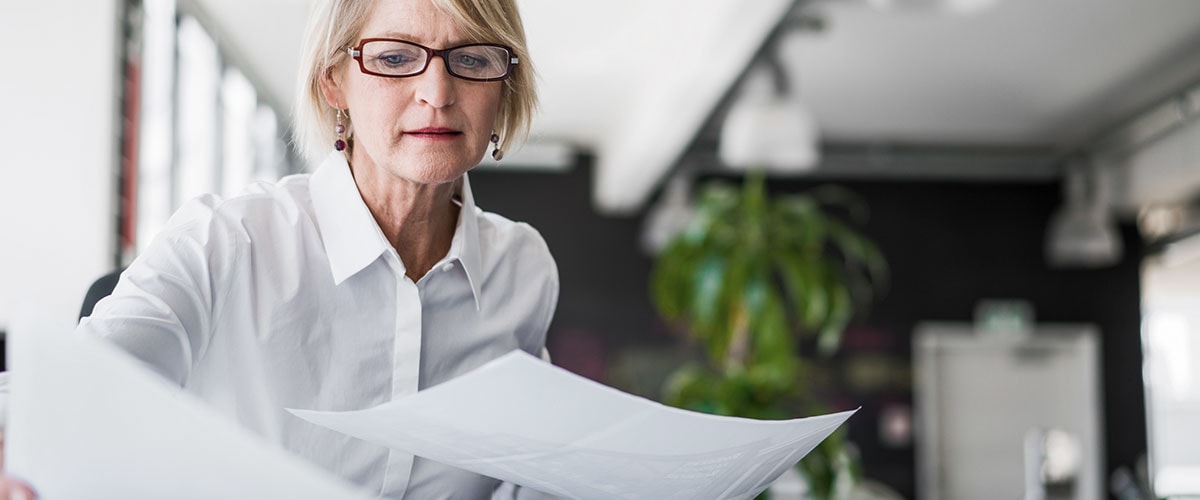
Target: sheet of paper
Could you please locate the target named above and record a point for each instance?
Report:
(528, 422)
(88, 421)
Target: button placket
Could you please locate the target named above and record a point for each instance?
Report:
(406, 368)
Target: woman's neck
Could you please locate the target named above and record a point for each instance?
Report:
(417, 219)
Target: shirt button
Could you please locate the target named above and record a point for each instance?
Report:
(447, 267)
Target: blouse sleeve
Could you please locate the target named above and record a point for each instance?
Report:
(164, 305)
(540, 266)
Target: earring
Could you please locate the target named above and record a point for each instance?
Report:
(497, 154)
(340, 143)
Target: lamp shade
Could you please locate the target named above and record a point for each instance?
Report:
(669, 216)
(1082, 238)
(1082, 233)
(772, 132)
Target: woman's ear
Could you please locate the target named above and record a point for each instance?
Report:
(331, 88)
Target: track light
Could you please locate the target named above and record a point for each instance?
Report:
(1082, 232)
(769, 128)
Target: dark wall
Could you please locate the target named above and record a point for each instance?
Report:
(953, 244)
(949, 245)
(604, 305)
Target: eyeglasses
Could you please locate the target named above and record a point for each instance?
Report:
(477, 62)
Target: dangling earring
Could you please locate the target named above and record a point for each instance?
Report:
(340, 143)
(497, 154)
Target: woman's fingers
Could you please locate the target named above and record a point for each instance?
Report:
(12, 489)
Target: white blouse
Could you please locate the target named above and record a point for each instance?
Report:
(289, 296)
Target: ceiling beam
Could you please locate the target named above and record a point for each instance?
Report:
(667, 122)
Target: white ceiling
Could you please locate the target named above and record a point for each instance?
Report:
(634, 81)
(1024, 72)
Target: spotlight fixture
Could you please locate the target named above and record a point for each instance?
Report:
(769, 128)
(669, 216)
(1082, 232)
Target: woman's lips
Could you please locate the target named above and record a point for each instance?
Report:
(434, 133)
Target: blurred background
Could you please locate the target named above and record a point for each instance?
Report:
(1031, 170)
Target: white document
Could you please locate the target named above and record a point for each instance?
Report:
(87, 420)
(525, 421)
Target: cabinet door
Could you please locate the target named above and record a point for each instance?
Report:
(980, 399)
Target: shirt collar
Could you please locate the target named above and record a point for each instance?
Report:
(352, 238)
(465, 246)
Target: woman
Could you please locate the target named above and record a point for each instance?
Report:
(373, 277)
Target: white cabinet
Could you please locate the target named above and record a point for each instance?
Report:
(997, 412)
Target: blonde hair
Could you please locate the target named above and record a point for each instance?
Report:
(334, 25)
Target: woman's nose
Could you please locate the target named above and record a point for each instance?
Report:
(436, 86)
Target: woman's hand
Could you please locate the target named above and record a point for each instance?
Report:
(10, 488)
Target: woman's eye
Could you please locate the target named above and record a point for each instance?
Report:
(395, 59)
(470, 61)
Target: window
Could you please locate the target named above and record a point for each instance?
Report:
(202, 126)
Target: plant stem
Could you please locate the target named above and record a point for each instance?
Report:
(739, 342)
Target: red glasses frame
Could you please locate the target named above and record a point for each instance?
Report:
(356, 53)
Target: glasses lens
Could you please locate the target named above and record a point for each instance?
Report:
(481, 62)
(393, 57)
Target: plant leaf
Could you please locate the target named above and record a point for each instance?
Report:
(840, 311)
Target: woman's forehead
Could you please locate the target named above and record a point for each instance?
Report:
(416, 20)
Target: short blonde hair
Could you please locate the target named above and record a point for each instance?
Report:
(334, 25)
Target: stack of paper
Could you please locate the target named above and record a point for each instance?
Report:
(89, 421)
(527, 422)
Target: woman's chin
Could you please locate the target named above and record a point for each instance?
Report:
(431, 171)
(427, 165)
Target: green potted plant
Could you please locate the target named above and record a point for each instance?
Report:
(751, 280)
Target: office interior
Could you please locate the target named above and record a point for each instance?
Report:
(1031, 169)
